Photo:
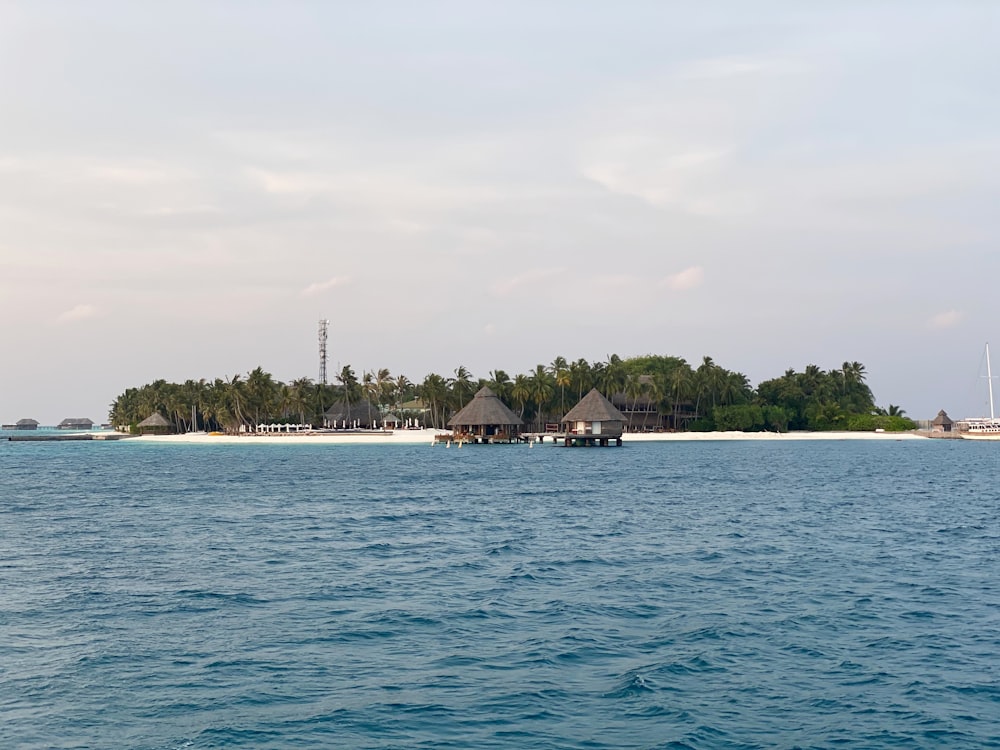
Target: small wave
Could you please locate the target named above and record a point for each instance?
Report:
(632, 684)
(241, 598)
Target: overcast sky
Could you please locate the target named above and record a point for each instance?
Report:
(187, 187)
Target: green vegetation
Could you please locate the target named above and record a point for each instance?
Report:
(655, 392)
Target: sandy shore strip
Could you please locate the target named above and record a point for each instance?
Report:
(416, 437)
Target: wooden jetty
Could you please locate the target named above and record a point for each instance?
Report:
(572, 439)
(72, 437)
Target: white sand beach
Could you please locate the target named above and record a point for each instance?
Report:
(415, 437)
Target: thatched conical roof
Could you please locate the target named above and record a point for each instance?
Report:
(942, 419)
(27, 423)
(155, 420)
(485, 408)
(594, 408)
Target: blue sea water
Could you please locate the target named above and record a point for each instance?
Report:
(659, 595)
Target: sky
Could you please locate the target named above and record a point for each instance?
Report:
(186, 188)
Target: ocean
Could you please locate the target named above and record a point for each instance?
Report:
(828, 594)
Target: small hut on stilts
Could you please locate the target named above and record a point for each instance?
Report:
(593, 421)
(485, 419)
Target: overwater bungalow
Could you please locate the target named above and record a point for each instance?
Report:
(362, 415)
(486, 419)
(26, 424)
(593, 421)
(76, 423)
(155, 424)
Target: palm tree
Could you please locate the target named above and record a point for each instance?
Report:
(403, 387)
(520, 392)
(301, 399)
(541, 391)
(383, 387)
(581, 375)
(349, 386)
(633, 389)
(461, 385)
(261, 392)
(434, 392)
(854, 372)
(559, 370)
(679, 382)
(369, 387)
(652, 389)
(735, 388)
(705, 378)
(234, 395)
(500, 384)
(611, 377)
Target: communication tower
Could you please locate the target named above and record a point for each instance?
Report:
(322, 350)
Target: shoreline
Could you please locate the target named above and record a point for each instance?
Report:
(427, 436)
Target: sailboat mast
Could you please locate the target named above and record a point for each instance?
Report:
(989, 378)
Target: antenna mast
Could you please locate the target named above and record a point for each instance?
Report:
(323, 323)
(989, 379)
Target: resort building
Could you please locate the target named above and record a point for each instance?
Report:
(363, 415)
(155, 424)
(644, 414)
(942, 422)
(76, 423)
(26, 424)
(486, 419)
(593, 421)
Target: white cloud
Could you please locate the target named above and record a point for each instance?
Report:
(945, 320)
(689, 278)
(80, 312)
(533, 277)
(656, 174)
(323, 286)
(289, 183)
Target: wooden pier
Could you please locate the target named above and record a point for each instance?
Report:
(76, 436)
(571, 439)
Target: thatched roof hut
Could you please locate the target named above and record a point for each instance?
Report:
(942, 422)
(391, 420)
(26, 424)
(594, 415)
(362, 414)
(486, 416)
(155, 424)
(76, 423)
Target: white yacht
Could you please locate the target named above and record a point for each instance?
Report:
(983, 427)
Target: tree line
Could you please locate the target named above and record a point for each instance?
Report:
(666, 391)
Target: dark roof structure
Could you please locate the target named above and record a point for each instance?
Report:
(26, 424)
(76, 423)
(363, 412)
(594, 408)
(942, 419)
(485, 408)
(155, 424)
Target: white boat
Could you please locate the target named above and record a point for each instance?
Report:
(983, 427)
